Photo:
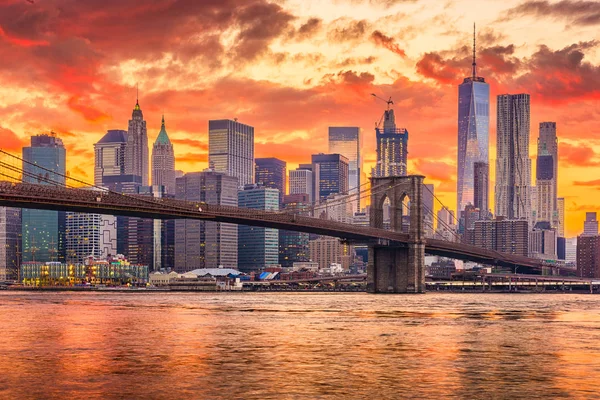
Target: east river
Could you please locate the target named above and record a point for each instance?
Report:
(298, 345)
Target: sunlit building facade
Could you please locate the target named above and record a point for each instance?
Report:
(136, 150)
(392, 148)
(547, 174)
(231, 149)
(347, 141)
(301, 181)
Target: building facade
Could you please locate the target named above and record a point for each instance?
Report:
(43, 231)
(590, 225)
(163, 162)
(480, 188)
(293, 246)
(301, 181)
(109, 163)
(507, 236)
(10, 243)
(231, 149)
(136, 160)
(392, 148)
(258, 247)
(272, 173)
(560, 205)
(347, 141)
(588, 256)
(329, 250)
(547, 175)
(473, 134)
(206, 244)
(90, 235)
(330, 175)
(513, 166)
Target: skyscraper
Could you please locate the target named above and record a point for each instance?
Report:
(590, 225)
(43, 231)
(546, 174)
(347, 142)
(109, 166)
(231, 149)
(330, 175)
(10, 243)
(560, 205)
(473, 133)
(480, 188)
(513, 167)
(258, 247)
(163, 162)
(206, 244)
(90, 234)
(392, 148)
(272, 173)
(293, 246)
(301, 181)
(136, 160)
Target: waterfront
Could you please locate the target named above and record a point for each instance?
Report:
(298, 345)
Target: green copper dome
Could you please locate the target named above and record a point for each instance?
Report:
(163, 138)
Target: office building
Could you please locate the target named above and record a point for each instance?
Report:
(546, 175)
(480, 188)
(301, 181)
(571, 250)
(10, 243)
(543, 241)
(90, 235)
(473, 136)
(560, 206)
(590, 225)
(330, 172)
(272, 173)
(258, 247)
(293, 246)
(136, 150)
(231, 149)
(392, 147)
(513, 166)
(206, 244)
(329, 250)
(347, 141)
(588, 256)
(163, 162)
(44, 162)
(109, 166)
(507, 236)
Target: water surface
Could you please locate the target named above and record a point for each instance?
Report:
(295, 345)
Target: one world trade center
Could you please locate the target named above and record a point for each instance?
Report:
(473, 137)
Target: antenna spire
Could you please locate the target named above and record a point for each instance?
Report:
(474, 62)
(137, 92)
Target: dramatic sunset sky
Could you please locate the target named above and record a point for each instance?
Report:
(291, 68)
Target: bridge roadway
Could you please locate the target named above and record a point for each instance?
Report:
(48, 197)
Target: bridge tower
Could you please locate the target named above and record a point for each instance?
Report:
(394, 268)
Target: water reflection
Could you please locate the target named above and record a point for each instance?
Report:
(281, 345)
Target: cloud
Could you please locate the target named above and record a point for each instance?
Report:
(385, 41)
(577, 155)
(435, 170)
(347, 30)
(595, 182)
(575, 12)
(309, 29)
(9, 141)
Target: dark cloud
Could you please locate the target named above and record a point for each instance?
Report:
(594, 183)
(309, 29)
(389, 43)
(347, 30)
(576, 12)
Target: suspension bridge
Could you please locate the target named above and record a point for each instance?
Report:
(396, 257)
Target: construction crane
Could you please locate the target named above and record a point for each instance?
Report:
(388, 102)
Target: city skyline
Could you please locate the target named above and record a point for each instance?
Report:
(419, 64)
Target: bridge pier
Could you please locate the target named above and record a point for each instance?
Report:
(394, 268)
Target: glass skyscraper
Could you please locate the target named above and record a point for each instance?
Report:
(473, 134)
(43, 231)
(330, 173)
(272, 173)
(347, 141)
(231, 149)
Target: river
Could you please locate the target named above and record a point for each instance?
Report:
(298, 345)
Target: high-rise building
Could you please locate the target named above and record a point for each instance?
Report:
(546, 174)
(272, 173)
(480, 188)
(588, 256)
(560, 205)
(506, 236)
(10, 243)
(571, 250)
(543, 241)
(513, 166)
(206, 244)
(136, 150)
(473, 135)
(590, 225)
(293, 246)
(90, 235)
(43, 231)
(327, 250)
(392, 148)
(163, 162)
(330, 175)
(301, 181)
(258, 247)
(109, 167)
(347, 141)
(231, 149)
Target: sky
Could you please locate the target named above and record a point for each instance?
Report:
(291, 68)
